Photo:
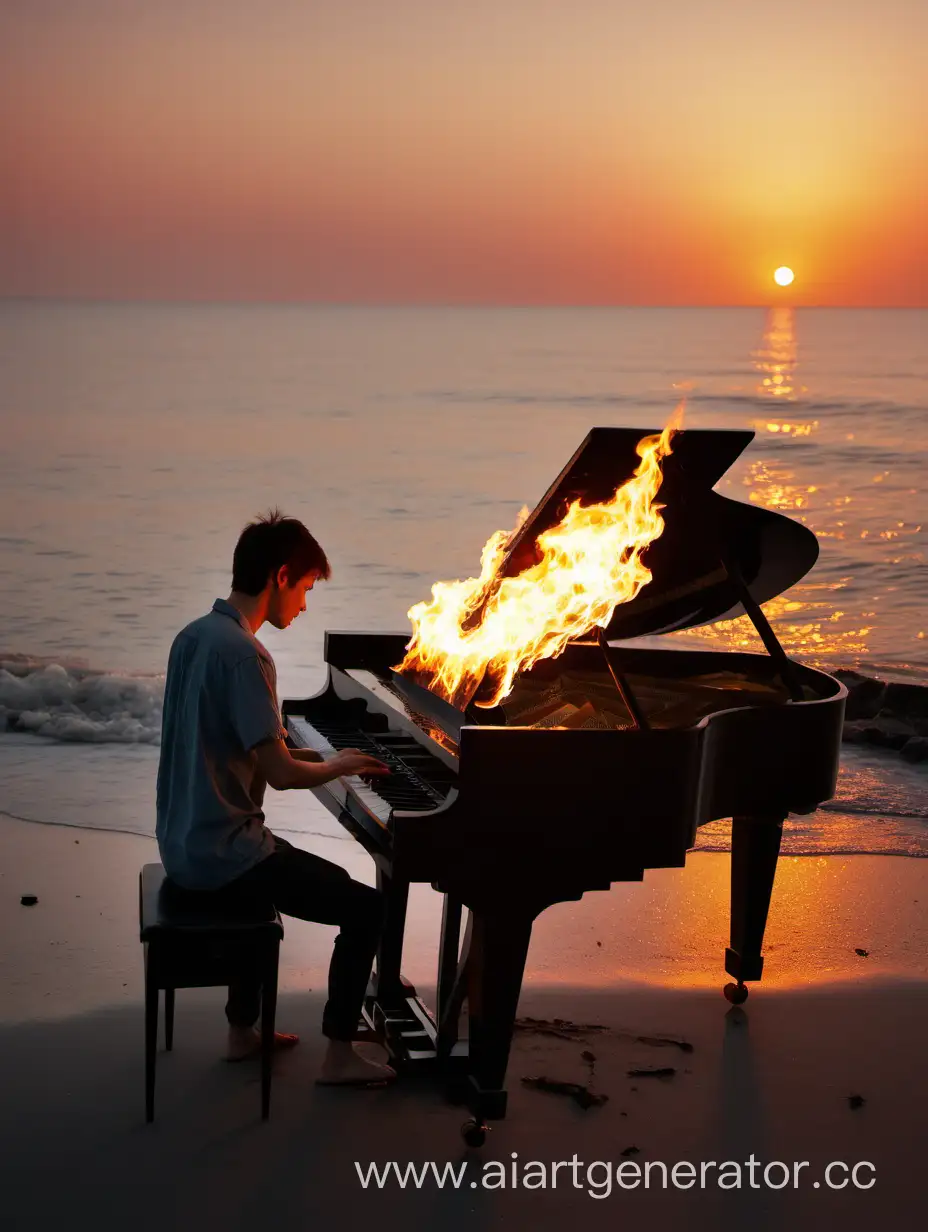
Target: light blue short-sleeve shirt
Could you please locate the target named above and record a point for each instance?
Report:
(220, 702)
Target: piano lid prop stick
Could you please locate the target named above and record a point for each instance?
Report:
(625, 692)
(767, 635)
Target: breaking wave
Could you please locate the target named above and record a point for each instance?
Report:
(68, 701)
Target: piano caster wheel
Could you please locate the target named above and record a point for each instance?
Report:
(737, 994)
(474, 1133)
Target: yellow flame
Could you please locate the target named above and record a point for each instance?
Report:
(590, 563)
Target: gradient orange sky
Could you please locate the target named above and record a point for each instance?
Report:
(493, 151)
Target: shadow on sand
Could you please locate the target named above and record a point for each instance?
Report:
(77, 1152)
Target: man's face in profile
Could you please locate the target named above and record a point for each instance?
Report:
(287, 601)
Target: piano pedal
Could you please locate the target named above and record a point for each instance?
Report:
(368, 1030)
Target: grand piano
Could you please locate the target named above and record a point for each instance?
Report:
(600, 764)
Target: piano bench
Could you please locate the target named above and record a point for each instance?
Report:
(189, 943)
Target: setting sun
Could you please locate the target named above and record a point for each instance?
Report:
(783, 276)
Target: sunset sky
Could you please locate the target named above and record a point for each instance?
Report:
(436, 151)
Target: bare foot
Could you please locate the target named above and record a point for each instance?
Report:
(344, 1066)
(245, 1042)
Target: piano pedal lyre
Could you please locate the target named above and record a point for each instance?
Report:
(368, 1031)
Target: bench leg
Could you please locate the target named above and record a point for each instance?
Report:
(268, 1018)
(168, 1019)
(151, 1036)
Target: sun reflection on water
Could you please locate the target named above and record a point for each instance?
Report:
(775, 359)
(813, 621)
(773, 485)
(808, 627)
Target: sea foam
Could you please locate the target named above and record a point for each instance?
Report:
(68, 701)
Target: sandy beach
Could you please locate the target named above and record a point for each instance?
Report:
(775, 1080)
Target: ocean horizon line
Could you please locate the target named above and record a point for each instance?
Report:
(441, 305)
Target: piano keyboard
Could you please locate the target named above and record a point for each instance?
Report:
(406, 789)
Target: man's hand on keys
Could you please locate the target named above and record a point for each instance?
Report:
(352, 761)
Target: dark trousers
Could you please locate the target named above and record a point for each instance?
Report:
(310, 888)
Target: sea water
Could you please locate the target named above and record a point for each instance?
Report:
(137, 440)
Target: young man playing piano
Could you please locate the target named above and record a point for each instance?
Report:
(222, 742)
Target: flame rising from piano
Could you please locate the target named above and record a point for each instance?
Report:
(481, 632)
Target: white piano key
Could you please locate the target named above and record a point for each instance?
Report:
(304, 734)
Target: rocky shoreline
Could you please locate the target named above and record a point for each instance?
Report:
(886, 714)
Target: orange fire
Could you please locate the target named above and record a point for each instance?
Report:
(481, 632)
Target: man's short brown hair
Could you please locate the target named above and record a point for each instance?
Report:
(267, 544)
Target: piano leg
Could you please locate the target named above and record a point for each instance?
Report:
(390, 990)
(755, 847)
(452, 973)
(499, 946)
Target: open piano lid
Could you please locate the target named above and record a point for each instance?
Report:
(706, 536)
(715, 558)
